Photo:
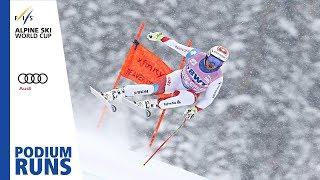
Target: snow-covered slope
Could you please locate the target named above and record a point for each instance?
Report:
(105, 154)
(103, 158)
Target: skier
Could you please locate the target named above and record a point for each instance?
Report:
(200, 76)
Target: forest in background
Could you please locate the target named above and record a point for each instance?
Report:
(264, 124)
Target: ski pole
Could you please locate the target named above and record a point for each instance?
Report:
(171, 135)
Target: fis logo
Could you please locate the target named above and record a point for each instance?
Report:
(25, 16)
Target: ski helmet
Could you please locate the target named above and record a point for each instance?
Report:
(220, 52)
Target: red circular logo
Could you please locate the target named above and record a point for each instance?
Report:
(223, 50)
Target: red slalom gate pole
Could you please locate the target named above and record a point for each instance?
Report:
(136, 37)
(117, 81)
(156, 130)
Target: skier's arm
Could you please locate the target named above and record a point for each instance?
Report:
(181, 49)
(210, 94)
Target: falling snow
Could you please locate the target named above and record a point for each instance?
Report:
(265, 122)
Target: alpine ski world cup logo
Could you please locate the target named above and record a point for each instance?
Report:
(35, 78)
(24, 16)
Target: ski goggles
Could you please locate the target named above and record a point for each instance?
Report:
(213, 62)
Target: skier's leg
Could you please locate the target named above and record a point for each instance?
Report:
(139, 89)
(128, 91)
(180, 98)
(170, 83)
(167, 84)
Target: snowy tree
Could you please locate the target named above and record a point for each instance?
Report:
(264, 124)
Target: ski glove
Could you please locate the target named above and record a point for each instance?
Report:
(155, 36)
(190, 112)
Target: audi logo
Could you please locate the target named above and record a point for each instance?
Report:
(35, 78)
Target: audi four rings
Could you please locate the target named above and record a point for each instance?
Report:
(32, 78)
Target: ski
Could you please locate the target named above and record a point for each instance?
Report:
(144, 112)
(164, 142)
(110, 107)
